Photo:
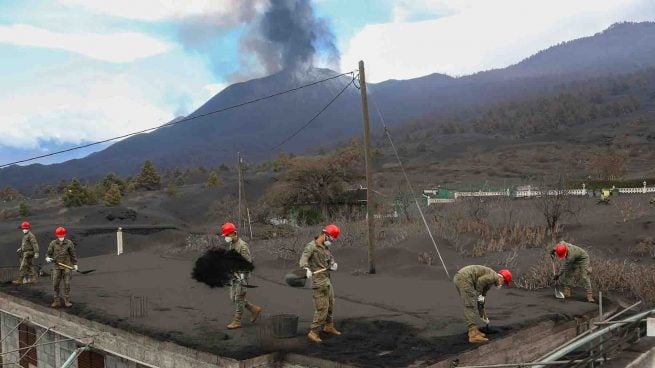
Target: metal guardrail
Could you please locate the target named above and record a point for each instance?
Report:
(594, 346)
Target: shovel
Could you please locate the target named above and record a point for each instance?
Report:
(73, 269)
(298, 278)
(558, 293)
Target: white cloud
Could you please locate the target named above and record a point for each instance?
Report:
(213, 88)
(83, 101)
(223, 11)
(103, 108)
(117, 47)
(475, 35)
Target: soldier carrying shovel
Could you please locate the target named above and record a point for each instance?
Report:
(575, 259)
(61, 251)
(473, 282)
(28, 251)
(240, 281)
(317, 260)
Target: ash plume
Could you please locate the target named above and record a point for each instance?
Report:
(277, 35)
(290, 36)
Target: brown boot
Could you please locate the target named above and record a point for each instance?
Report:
(254, 310)
(236, 323)
(56, 303)
(567, 292)
(67, 302)
(475, 337)
(590, 297)
(313, 337)
(329, 328)
(17, 282)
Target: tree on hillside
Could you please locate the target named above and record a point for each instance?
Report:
(149, 179)
(130, 187)
(171, 189)
(281, 162)
(316, 179)
(10, 194)
(608, 165)
(77, 195)
(23, 209)
(113, 196)
(213, 180)
(112, 179)
(556, 205)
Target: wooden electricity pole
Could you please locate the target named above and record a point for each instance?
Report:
(369, 172)
(239, 185)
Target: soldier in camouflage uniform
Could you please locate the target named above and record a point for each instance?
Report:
(318, 261)
(237, 288)
(28, 251)
(575, 259)
(62, 252)
(473, 282)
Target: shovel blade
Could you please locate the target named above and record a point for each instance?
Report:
(85, 272)
(559, 294)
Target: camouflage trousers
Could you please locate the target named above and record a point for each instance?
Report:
(469, 297)
(238, 296)
(57, 277)
(323, 306)
(26, 265)
(582, 266)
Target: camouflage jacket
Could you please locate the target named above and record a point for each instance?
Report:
(62, 252)
(480, 277)
(241, 247)
(316, 257)
(574, 254)
(29, 244)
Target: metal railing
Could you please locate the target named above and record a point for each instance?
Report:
(593, 347)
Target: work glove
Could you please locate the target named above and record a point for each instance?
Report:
(18, 250)
(242, 277)
(75, 267)
(48, 259)
(308, 273)
(485, 319)
(481, 299)
(333, 266)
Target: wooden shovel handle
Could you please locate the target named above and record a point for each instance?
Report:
(319, 271)
(66, 266)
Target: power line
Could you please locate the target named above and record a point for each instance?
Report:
(181, 120)
(316, 115)
(409, 185)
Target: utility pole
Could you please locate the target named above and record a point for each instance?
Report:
(239, 185)
(369, 172)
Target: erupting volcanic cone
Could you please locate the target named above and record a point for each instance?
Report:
(217, 267)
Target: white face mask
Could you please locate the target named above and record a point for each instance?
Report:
(61, 239)
(327, 243)
(499, 286)
(25, 231)
(228, 239)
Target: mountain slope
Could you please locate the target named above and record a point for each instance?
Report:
(256, 128)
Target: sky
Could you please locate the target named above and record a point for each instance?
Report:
(76, 71)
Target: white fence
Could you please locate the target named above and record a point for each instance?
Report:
(506, 193)
(637, 190)
(529, 193)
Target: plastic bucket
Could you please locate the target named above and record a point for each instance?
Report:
(284, 325)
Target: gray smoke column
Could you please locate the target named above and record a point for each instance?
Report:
(288, 35)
